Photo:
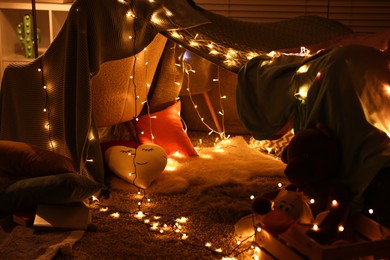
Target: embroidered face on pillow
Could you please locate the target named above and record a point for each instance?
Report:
(139, 166)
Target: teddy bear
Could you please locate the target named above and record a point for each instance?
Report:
(314, 196)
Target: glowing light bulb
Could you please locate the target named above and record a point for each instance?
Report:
(280, 185)
(334, 203)
(303, 69)
(115, 215)
(387, 88)
(208, 244)
(182, 220)
(371, 211)
(341, 228)
(194, 43)
(176, 35)
(315, 227)
(252, 197)
(312, 201)
(184, 236)
(258, 229)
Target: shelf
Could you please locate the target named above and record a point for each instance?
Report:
(23, 4)
(50, 18)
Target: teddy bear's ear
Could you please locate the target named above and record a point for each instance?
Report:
(283, 156)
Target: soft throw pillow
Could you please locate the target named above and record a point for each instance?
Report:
(22, 160)
(167, 129)
(54, 189)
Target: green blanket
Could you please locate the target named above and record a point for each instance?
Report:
(345, 88)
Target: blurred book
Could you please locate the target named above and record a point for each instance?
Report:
(68, 216)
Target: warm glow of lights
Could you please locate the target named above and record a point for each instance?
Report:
(115, 215)
(218, 149)
(341, 228)
(252, 197)
(302, 92)
(334, 203)
(214, 52)
(208, 244)
(219, 250)
(258, 229)
(184, 236)
(251, 55)
(312, 201)
(371, 211)
(168, 13)
(272, 54)
(280, 185)
(386, 87)
(205, 156)
(103, 209)
(303, 69)
(315, 227)
(130, 14)
(181, 220)
(194, 43)
(172, 165)
(176, 35)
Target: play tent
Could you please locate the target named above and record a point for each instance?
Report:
(94, 74)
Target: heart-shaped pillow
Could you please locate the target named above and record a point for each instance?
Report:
(139, 166)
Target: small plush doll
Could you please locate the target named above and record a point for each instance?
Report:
(312, 164)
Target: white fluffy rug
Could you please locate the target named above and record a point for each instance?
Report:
(230, 161)
(218, 182)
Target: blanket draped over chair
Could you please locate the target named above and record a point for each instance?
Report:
(49, 101)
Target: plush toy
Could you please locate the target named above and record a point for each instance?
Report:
(312, 162)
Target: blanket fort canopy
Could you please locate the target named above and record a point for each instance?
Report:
(48, 102)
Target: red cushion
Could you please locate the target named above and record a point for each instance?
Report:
(167, 130)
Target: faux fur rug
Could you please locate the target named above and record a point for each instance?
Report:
(27, 243)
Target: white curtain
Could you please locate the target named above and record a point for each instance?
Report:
(360, 15)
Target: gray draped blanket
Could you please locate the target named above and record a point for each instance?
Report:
(94, 32)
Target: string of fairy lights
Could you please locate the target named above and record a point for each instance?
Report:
(154, 221)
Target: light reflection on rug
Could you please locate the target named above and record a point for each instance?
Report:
(220, 180)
